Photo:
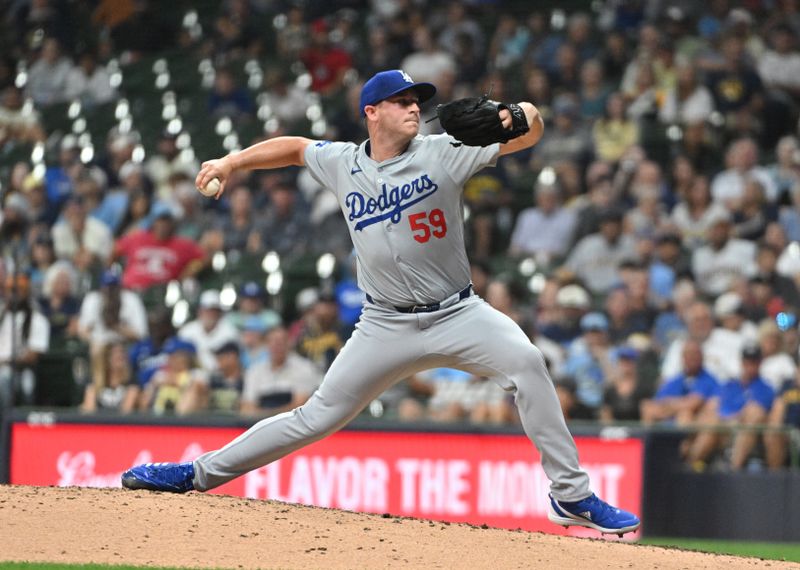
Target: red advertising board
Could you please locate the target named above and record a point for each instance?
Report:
(476, 478)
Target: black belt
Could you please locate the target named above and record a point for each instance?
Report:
(463, 294)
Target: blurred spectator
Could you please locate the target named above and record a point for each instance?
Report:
(253, 332)
(89, 82)
(318, 334)
(779, 67)
(718, 345)
(240, 230)
(729, 312)
(622, 321)
(292, 38)
(24, 337)
(43, 256)
(227, 99)
(14, 225)
(113, 387)
(572, 302)
(156, 256)
(287, 100)
(594, 91)
(251, 303)
(459, 395)
(326, 63)
(47, 77)
(742, 402)
(695, 212)
(168, 161)
(544, 231)
(614, 133)
(226, 384)
(81, 239)
(784, 287)
(681, 397)
(59, 301)
(623, 393)
(596, 258)
(586, 370)
(458, 24)
(784, 171)
(753, 212)
(284, 225)
(112, 314)
(137, 216)
(509, 42)
(785, 413)
(669, 262)
(283, 383)
(777, 368)
(725, 259)
(568, 139)
(688, 101)
(209, 330)
(18, 123)
(428, 62)
(147, 355)
(40, 209)
(181, 386)
(600, 195)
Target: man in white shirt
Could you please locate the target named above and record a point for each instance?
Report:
(80, 238)
(209, 330)
(283, 382)
(741, 160)
(779, 67)
(724, 260)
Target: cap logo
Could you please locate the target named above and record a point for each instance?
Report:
(406, 77)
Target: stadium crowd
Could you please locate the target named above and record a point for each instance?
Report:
(648, 244)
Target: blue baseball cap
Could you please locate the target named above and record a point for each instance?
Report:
(176, 344)
(594, 322)
(387, 83)
(109, 278)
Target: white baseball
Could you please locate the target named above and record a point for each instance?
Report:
(211, 188)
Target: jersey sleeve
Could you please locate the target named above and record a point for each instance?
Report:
(324, 157)
(460, 161)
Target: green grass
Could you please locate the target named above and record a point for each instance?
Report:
(768, 550)
(57, 566)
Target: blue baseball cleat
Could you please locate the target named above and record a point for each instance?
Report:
(170, 477)
(592, 512)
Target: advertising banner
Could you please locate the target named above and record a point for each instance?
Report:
(495, 480)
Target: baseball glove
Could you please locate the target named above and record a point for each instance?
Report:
(475, 121)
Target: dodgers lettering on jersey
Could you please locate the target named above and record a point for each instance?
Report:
(390, 203)
(404, 214)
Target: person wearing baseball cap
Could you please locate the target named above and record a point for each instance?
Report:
(251, 304)
(386, 84)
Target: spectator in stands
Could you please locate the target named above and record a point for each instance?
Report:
(168, 161)
(729, 312)
(718, 345)
(544, 231)
(180, 387)
(17, 122)
(156, 256)
(112, 314)
(281, 384)
(614, 133)
(622, 321)
(778, 368)
(596, 258)
(14, 227)
(43, 256)
(318, 336)
(24, 337)
(40, 209)
(113, 388)
(209, 330)
(784, 171)
(588, 366)
(59, 301)
(741, 161)
(147, 355)
(326, 63)
(226, 384)
(741, 403)
(695, 211)
(753, 213)
(785, 413)
(284, 224)
(572, 302)
(47, 77)
(81, 239)
(736, 87)
(287, 100)
(568, 139)
(767, 268)
(681, 397)
(670, 262)
(688, 101)
(593, 92)
(724, 260)
(227, 99)
(599, 197)
(89, 82)
(251, 303)
(623, 394)
(241, 229)
(428, 62)
(779, 67)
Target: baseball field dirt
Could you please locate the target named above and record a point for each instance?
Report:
(114, 526)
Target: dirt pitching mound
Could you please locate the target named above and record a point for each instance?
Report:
(115, 526)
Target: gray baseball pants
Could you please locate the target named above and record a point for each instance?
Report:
(388, 346)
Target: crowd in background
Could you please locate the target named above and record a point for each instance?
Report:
(648, 244)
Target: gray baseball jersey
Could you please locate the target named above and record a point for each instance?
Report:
(405, 218)
(405, 214)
